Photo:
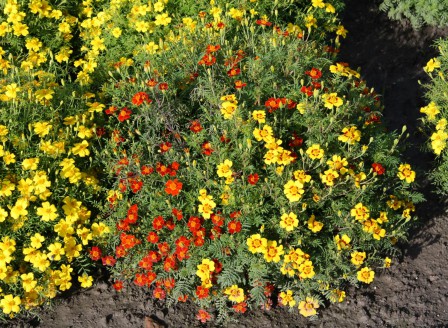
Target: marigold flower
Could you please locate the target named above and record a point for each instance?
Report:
(256, 244)
(342, 242)
(224, 169)
(360, 212)
(203, 316)
(308, 307)
(289, 221)
(315, 152)
(10, 303)
(287, 299)
(173, 187)
(202, 292)
(329, 176)
(294, 190)
(314, 73)
(253, 178)
(235, 294)
(350, 135)
(358, 258)
(405, 173)
(272, 252)
(124, 114)
(313, 225)
(332, 100)
(234, 226)
(378, 168)
(431, 110)
(366, 275)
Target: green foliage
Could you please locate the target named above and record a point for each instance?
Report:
(418, 12)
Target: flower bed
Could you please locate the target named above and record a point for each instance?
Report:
(241, 164)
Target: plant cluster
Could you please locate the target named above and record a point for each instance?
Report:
(249, 167)
(436, 114)
(418, 12)
(241, 165)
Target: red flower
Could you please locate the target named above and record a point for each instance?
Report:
(217, 220)
(169, 283)
(140, 279)
(150, 277)
(136, 185)
(164, 248)
(125, 114)
(163, 86)
(159, 293)
(240, 307)
(263, 22)
(182, 298)
(378, 168)
(207, 148)
(202, 292)
(109, 260)
(165, 146)
(128, 241)
(182, 253)
(234, 226)
(146, 170)
(182, 242)
(314, 73)
(273, 104)
(296, 141)
(253, 178)
(145, 263)
(177, 213)
(151, 83)
(224, 139)
(95, 253)
(158, 223)
(203, 316)
(152, 237)
(195, 127)
(212, 48)
(170, 224)
(240, 84)
(111, 110)
(218, 266)
(154, 256)
(307, 90)
(120, 251)
(173, 187)
(141, 97)
(169, 263)
(118, 285)
(207, 60)
(162, 169)
(123, 225)
(194, 224)
(235, 214)
(100, 131)
(233, 72)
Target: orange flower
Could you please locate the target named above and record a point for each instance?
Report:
(173, 187)
(203, 316)
(240, 84)
(141, 97)
(163, 86)
(314, 73)
(212, 48)
(125, 114)
(253, 178)
(195, 126)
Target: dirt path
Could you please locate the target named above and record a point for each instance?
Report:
(413, 293)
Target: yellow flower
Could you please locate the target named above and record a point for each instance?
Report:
(28, 282)
(259, 116)
(301, 176)
(116, 32)
(81, 149)
(19, 209)
(224, 169)
(30, 163)
(405, 173)
(42, 128)
(64, 228)
(431, 65)
(329, 176)
(308, 307)
(358, 258)
(342, 242)
(338, 163)
(293, 190)
(235, 293)
(337, 295)
(272, 252)
(3, 215)
(286, 298)
(360, 212)
(387, 262)
(431, 110)
(205, 268)
(315, 152)
(264, 134)
(228, 109)
(332, 100)
(162, 19)
(10, 303)
(289, 221)
(9, 158)
(36, 240)
(256, 243)
(97, 43)
(318, 3)
(306, 270)
(350, 135)
(56, 251)
(85, 280)
(313, 225)
(366, 275)
(99, 229)
(310, 21)
(438, 141)
(341, 31)
(12, 90)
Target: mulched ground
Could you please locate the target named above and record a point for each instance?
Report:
(412, 293)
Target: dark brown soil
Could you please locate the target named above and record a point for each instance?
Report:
(412, 293)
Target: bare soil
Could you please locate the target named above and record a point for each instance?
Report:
(412, 293)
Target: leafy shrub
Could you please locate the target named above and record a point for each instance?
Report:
(418, 12)
(436, 114)
(247, 163)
